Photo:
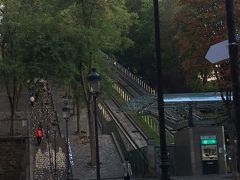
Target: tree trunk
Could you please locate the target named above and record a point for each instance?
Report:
(78, 116)
(90, 122)
(204, 81)
(13, 97)
(91, 132)
(13, 118)
(15, 100)
(74, 108)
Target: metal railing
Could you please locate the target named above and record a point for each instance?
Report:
(136, 156)
(134, 78)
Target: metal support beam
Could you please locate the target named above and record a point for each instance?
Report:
(234, 66)
(96, 136)
(162, 133)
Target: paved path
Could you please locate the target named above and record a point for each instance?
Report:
(111, 167)
(110, 162)
(206, 177)
(43, 155)
(203, 177)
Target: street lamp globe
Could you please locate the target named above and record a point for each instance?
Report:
(66, 111)
(94, 81)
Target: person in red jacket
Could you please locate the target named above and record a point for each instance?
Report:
(39, 135)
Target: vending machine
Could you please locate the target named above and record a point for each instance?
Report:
(200, 150)
(209, 154)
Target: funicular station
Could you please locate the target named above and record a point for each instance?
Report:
(196, 121)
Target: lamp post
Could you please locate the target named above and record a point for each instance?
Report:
(54, 124)
(235, 79)
(66, 115)
(94, 83)
(161, 119)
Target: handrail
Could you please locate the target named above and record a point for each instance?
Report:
(132, 122)
(134, 78)
(55, 113)
(128, 137)
(118, 147)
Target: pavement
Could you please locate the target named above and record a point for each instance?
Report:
(203, 177)
(43, 155)
(111, 166)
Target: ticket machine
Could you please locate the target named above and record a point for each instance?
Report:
(201, 150)
(209, 154)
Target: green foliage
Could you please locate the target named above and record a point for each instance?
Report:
(99, 26)
(27, 31)
(141, 57)
(107, 76)
(58, 40)
(150, 132)
(198, 86)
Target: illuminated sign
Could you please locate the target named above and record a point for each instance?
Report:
(208, 141)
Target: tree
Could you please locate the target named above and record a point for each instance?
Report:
(12, 68)
(30, 46)
(140, 57)
(203, 23)
(200, 24)
(93, 26)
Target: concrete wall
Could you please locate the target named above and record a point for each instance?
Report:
(13, 158)
(172, 160)
(151, 158)
(183, 153)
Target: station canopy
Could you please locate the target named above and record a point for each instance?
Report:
(149, 102)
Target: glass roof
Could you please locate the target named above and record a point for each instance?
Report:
(149, 102)
(193, 97)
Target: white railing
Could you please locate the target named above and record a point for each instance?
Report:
(151, 122)
(135, 78)
(104, 112)
(122, 93)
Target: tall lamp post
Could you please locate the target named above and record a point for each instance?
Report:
(161, 119)
(66, 115)
(54, 124)
(94, 83)
(234, 67)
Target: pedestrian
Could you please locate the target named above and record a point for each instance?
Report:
(32, 100)
(39, 134)
(127, 170)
